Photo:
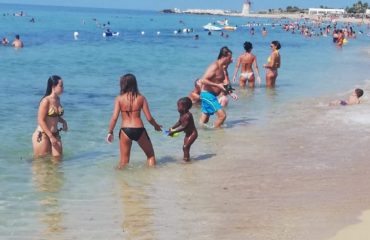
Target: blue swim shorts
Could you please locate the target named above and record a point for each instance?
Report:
(210, 103)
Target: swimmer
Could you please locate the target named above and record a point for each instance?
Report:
(353, 99)
(17, 43)
(4, 41)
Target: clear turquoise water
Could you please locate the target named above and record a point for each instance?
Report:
(166, 65)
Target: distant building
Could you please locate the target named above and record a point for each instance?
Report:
(367, 13)
(326, 11)
(246, 7)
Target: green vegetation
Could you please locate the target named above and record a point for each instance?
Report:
(293, 9)
(358, 7)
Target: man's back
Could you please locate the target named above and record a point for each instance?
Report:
(17, 43)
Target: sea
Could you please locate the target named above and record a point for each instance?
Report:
(285, 165)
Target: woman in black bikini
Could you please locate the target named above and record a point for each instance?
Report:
(46, 139)
(130, 103)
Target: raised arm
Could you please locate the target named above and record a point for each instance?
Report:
(149, 117)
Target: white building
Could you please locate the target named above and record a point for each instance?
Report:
(326, 11)
(246, 7)
(367, 12)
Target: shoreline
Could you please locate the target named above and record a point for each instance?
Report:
(294, 16)
(297, 16)
(358, 231)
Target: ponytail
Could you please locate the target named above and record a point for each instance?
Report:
(52, 82)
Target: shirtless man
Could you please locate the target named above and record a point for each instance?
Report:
(212, 85)
(247, 61)
(17, 43)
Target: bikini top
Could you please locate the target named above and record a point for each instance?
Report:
(269, 58)
(129, 111)
(55, 112)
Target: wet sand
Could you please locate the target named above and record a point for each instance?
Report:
(305, 178)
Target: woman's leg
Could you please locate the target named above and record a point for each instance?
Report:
(41, 144)
(125, 149)
(242, 82)
(274, 79)
(270, 78)
(145, 144)
(251, 81)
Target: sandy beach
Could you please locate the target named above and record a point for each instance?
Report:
(312, 17)
(293, 16)
(308, 192)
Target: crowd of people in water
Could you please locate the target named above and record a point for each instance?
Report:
(211, 91)
(16, 43)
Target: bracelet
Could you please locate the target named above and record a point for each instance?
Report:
(110, 132)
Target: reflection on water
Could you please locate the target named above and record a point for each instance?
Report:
(48, 180)
(137, 213)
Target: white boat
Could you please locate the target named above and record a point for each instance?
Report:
(211, 27)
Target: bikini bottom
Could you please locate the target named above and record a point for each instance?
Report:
(133, 133)
(55, 134)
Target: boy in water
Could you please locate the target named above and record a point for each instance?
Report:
(354, 98)
(186, 124)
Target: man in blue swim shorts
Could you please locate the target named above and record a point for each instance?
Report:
(213, 82)
(210, 103)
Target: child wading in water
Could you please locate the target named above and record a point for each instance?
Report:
(186, 124)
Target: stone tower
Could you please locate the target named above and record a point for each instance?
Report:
(246, 7)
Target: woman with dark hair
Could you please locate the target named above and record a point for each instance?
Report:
(247, 61)
(46, 139)
(273, 63)
(129, 104)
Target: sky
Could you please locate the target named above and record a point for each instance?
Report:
(257, 5)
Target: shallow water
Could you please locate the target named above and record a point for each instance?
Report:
(285, 166)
